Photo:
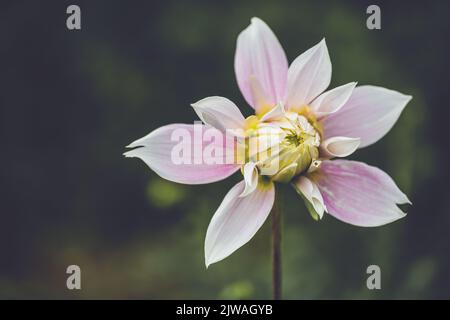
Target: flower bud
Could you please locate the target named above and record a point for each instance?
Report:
(284, 148)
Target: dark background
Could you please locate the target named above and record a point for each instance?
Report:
(71, 100)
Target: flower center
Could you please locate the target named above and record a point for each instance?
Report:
(286, 147)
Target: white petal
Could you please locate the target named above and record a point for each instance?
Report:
(250, 178)
(259, 54)
(369, 114)
(308, 76)
(237, 220)
(332, 100)
(339, 146)
(276, 113)
(220, 113)
(311, 193)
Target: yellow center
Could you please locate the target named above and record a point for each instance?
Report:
(284, 147)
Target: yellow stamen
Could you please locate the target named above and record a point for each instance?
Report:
(251, 123)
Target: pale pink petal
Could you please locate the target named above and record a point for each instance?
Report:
(308, 76)
(309, 190)
(261, 100)
(220, 113)
(236, 221)
(182, 153)
(369, 114)
(339, 146)
(359, 194)
(250, 178)
(260, 59)
(332, 100)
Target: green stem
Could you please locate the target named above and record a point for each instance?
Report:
(276, 249)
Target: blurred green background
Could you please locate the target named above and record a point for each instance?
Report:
(71, 100)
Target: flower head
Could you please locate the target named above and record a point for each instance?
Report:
(297, 129)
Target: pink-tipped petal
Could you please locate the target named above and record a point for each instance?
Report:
(332, 100)
(220, 113)
(308, 76)
(237, 220)
(260, 65)
(369, 114)
(359, 194)
(339, 147)
(165, 149)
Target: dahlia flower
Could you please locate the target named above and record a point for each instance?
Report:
(298, 129)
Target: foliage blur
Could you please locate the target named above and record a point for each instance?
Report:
(71, 100)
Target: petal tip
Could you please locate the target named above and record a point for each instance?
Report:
(406, 99)
(357, 142)
(323, 43)
(134, 144)
(406, 200)
(138, 143)
(196, 105)
(197, 108)
(255, 20)
(128, 154)
(209, 261)
(401, 215)
(341, 146)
